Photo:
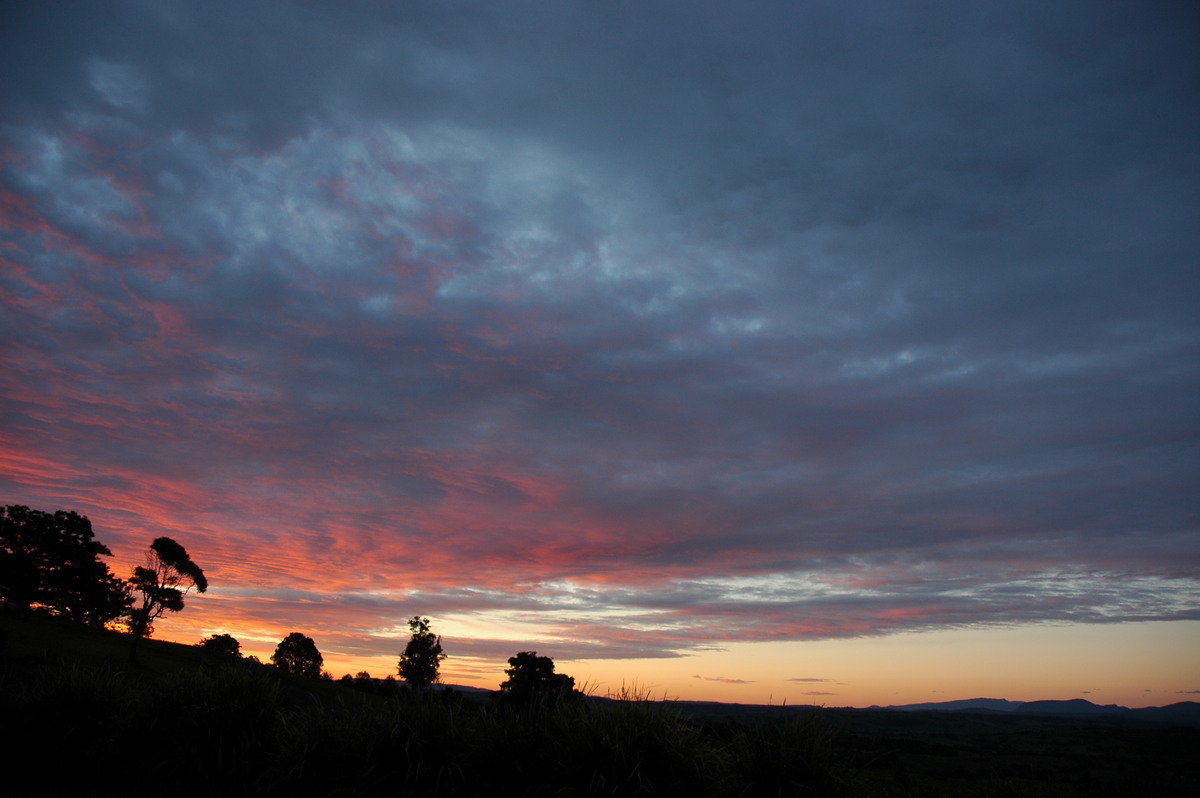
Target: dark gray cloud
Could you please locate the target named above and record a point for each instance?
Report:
(881, 316)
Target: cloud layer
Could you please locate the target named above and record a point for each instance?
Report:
(638, 328)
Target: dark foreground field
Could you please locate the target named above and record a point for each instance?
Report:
(184, 722)
(933, 753)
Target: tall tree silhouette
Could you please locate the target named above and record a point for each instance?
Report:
(166, 578)
(298, 654)
(51, 562)
(421, 658)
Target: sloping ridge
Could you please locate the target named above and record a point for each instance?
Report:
(1184, 712)
(1073, 706)
(965, 705)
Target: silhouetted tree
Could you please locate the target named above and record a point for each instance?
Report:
(52, 562)
(222, 644)
(298, 654)
(531, 679)
(166, 578)
(109, 600)
(421, 658)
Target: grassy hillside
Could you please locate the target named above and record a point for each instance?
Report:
(186, 722)
(33, 642)
(35, 648)
(183, 722)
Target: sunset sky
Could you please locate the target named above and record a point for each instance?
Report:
(819, 352)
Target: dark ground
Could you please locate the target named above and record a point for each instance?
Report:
(900, 754)
(932, 753)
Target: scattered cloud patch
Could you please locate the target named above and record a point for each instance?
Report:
(722, 679)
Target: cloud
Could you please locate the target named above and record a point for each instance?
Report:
(120, 86)
(722, 679)
(789, 324)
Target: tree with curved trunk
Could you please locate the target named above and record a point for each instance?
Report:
(168, 575)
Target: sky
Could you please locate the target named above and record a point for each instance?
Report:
(824, 352)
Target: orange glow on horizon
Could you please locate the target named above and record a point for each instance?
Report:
(1134, 665)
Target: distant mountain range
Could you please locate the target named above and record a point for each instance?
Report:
(1184, 712)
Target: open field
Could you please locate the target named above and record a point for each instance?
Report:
(969, 754)
(185, 722)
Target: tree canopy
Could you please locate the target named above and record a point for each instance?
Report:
(51, 562)
(531, 679)
(222, 644)
(166, 578)
(422, 656)
(297, 653)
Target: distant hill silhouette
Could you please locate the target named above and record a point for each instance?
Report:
(966, 705)
(1073, 706)
(1184, 712)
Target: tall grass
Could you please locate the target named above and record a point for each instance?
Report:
(792, 756)
(237, 730)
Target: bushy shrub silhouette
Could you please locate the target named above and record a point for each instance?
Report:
(222, 644)
(298, 654)
(532, 680)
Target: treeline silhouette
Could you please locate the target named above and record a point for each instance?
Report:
(215, 723)
(221, 725)
(50, 564)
